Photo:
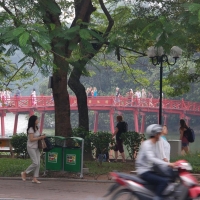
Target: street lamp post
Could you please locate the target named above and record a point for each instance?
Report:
(157, 56)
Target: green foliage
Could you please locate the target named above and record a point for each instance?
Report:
(132, 141)
(10, 72)
(79, 132)
(101, 142)
(19, 143)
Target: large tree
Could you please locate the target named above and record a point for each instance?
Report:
(40, 30)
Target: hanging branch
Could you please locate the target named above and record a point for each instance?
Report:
(109, 18)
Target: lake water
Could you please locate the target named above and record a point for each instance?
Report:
(23, 122)
(9, 123)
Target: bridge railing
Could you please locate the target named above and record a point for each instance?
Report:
(105, 101)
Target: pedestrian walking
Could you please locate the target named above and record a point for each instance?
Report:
(8, 94)
(117, 95)
(119, 129)
(32, 148)
(18, 92)
(129, 95)
(183, 136)
(138, 96)
(34, 99)
(89, 92)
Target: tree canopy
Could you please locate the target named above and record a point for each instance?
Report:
(61, 37)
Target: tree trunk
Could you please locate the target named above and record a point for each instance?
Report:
(61, 98)
(79, 90)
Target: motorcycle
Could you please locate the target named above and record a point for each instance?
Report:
(182, 185)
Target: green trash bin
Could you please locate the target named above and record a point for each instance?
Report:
(73, 156)
(54, 157)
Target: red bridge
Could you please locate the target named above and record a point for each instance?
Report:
(142, 106)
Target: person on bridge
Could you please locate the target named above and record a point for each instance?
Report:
(129, 95)
(18, 92)
(95, 92)
(32, 148)
(33, 95)
(183, 132)
(119, 129)
(117, 95)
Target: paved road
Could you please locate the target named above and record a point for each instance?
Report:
(52, 190)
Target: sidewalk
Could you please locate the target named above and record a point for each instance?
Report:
(52, 189)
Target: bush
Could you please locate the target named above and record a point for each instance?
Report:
(19, 143)
(132, 141)
(78, 132)
(101, 142)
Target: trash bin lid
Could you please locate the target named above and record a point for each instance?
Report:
(57, 137)
(75, 138)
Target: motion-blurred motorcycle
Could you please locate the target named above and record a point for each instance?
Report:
(182, 185)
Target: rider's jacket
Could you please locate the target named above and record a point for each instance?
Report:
(147, 158)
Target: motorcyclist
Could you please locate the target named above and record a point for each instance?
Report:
(147, 159)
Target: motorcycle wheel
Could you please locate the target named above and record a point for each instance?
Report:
(124, 194)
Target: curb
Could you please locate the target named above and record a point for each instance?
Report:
(60, 179)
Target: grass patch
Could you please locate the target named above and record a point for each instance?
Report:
(105, 168)
(193, 159)
(12, 167)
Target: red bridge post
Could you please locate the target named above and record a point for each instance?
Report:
(3, 124)
(187, 120)
(31, 112)
(15, 123)
(96, 119)
(182, 115)
(135, 113)
(143, 122)
(111, 113)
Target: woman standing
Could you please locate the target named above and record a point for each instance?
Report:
(163, 147)
(183, 133)
(32, 148)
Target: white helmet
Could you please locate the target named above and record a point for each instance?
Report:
(153, 129)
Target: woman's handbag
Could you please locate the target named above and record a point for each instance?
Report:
(48, 144)
(42, 144)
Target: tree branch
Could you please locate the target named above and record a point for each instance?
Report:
(84, 6)
(128, 49)
(14, 75)
(109, 18)
(15, 21)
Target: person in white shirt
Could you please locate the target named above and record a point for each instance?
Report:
(32, 148)
(138, 94)
(163, 147)
(33, 95)
(147, 159)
